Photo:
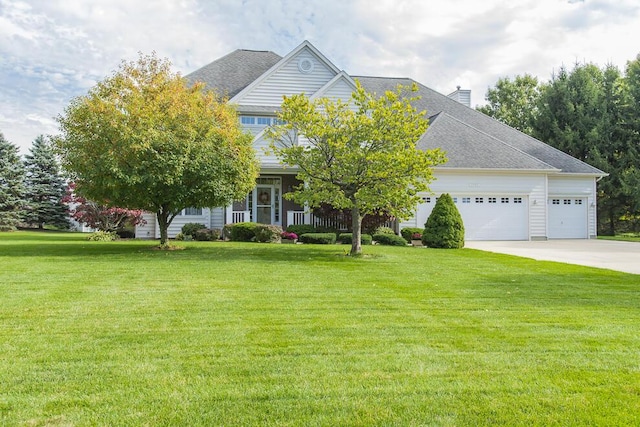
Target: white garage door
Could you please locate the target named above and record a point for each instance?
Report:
(568, 218)
(487, 217)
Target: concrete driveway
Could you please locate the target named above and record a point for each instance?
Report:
(613, 255)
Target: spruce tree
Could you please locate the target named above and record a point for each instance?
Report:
(444, 228)
(11, 185)
(45, 187)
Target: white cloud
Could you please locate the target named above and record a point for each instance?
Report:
(53, 50)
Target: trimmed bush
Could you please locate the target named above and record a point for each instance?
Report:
(444, 228)
(347, 238)
(207, 234)
(389, 239)
(384, 230)
(409, 232)
(318, 238)
(243, 231)
(301, 229)
(102, 236)
(226, 231)
(190, 228)
(125, 233)
(266, 233)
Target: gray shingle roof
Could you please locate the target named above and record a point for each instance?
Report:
(472, 139)
(434, 103)
(469, 148)
(235, 71)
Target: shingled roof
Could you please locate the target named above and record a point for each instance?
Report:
(450, 134)
(235, 71)
(471, 139)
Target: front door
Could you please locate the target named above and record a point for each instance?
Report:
(265, 204)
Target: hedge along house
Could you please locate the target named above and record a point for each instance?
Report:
(507, 185)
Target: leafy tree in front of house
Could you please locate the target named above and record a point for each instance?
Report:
(360, 155)
(144, 139)
(444, 228)
(45, 187)
(514, 102)
(11, 185)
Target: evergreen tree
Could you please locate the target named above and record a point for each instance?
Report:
(45, 188)
(11, 185)
(444, 228)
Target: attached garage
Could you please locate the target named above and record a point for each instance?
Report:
(490, 217)
(568, 218)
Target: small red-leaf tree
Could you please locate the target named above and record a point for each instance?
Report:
(100, 217)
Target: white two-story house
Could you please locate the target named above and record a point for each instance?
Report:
(507, 185)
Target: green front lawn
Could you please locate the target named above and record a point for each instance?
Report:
(95, 333)
(625, 237)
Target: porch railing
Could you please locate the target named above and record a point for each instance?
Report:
(240, 216)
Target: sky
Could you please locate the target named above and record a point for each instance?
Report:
(52, 51)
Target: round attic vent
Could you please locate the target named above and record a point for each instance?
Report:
(305, 65)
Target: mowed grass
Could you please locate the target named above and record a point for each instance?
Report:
(95, 333)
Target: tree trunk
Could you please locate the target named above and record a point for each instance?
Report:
(356, 228)
(163, 223)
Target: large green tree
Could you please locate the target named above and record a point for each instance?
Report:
(144, 139)
(45, 187)
(359, 155)
(11, 185)
(585, 112)
(514, 102)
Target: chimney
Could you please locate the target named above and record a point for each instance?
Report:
(463, 96)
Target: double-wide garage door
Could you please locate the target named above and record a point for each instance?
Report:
(487, 217)
(568, 218)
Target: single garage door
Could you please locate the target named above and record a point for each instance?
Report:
(568, 218)
(487, 217)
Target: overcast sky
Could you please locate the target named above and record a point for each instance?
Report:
(54, 50)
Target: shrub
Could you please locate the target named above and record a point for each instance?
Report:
(301, 229)
(390, 239)
(102, 236)
(243, 231)
(288, 235)
(179, 236)
(318, 238)
(409, 233)
(207, 234)
(190, 228)
(444, 228)
(384, 230)
(347, 238)
(125, 233)
(226, 231)
(266, 233)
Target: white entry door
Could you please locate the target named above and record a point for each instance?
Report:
(568, 218)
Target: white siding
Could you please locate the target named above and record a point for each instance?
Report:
(577, 187)
(261, 145)
(148, 230)
(217, 218)
(288, 80)
(340, 90)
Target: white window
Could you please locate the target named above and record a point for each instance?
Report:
(479, 199)
(555, 201)
(504, 200)
(264, 121)
(466, 200)
(566, 201)
(247, 120)
(426, 199)
(492, 199)
(455, 200)
(517, 200)
(192, 212)
(578, 201)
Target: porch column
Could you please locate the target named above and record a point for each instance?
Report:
(228, 219)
